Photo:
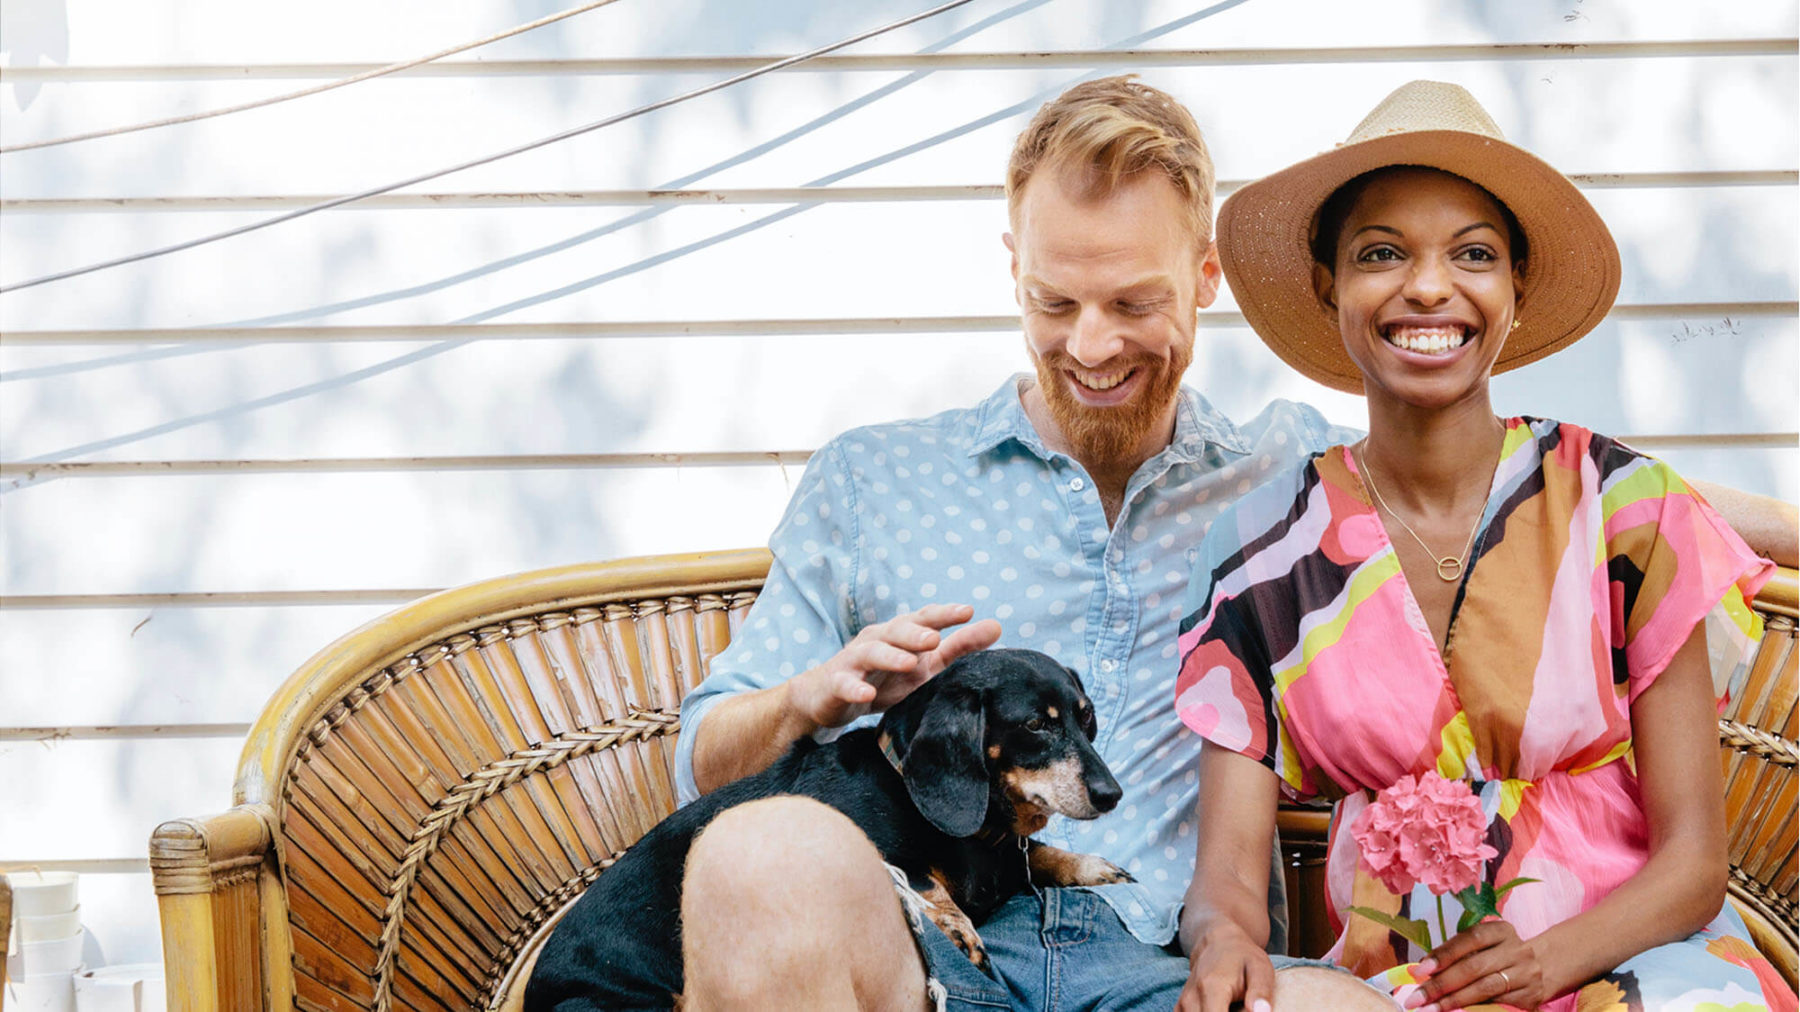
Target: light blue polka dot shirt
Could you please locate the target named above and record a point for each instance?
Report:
(970, 507)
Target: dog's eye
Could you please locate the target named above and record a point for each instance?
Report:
(1035, 724)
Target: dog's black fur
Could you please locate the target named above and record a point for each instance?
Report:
(990, 748)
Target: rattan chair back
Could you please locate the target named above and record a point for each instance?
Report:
(1757, 738)
(470, 764)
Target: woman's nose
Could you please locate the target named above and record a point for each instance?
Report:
(1427, 282)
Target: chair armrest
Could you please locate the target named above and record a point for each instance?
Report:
(224, 928)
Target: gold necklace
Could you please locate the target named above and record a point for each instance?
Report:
(1450, 567)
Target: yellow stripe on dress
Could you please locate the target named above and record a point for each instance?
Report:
(1650, 480)
(1457, 753)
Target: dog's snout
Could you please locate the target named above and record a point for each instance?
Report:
(1103, 791)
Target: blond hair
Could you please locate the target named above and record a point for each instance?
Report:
(1109, 131)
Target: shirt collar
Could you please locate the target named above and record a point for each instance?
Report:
(1002, 417)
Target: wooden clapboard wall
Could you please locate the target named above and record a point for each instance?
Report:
(213, 463)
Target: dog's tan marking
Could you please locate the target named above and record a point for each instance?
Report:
(1057, 788)
(1052, 712)
(951, 920)
(993, 751)
(1053, 866)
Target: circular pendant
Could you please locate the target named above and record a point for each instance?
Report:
(1449, 569)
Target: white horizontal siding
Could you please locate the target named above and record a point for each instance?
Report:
(540, 441)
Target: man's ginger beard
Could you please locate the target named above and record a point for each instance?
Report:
(1098, 436)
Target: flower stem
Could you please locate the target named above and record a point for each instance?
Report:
(1443, 930)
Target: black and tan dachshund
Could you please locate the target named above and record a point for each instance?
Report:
(948, 787)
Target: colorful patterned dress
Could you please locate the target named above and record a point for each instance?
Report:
(1304, 648)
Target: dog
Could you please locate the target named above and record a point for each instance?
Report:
(949, 787)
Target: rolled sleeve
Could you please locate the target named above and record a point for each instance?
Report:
(804, 614)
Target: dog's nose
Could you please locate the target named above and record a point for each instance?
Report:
(1104, 792)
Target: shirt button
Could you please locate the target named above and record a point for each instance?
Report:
(1108, 665)
(1077, 485)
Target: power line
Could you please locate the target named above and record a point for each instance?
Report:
(367, 75)
(488, 159)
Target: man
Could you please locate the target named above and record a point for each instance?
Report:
(1063, 508)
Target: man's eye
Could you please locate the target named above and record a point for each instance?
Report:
(1053, 305)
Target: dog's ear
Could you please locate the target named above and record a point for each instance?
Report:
(1089, 726)
(940, 742)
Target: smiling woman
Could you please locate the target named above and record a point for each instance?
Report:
(1560, 604)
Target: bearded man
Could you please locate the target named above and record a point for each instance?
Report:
(1062, 509)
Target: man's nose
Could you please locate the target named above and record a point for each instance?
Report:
(1094, 339)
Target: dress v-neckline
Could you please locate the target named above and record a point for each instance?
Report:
(1441, 653)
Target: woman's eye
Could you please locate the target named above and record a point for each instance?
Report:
(1379, 254)
(1480, 254)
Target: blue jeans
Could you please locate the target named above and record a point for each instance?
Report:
(1067, 952)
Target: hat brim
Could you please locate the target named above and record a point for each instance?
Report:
(1264, 236)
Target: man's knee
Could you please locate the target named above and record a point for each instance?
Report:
(781, 851)
(1304, 988)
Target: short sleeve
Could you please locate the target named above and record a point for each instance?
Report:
(804, 614)
(1225, 687)
(1672, 563)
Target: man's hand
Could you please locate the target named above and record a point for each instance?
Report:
(1228, 968)
(885, 662)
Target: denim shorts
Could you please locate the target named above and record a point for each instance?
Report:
(1055, 950)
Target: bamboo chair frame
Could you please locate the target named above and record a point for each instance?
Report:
(422, 799)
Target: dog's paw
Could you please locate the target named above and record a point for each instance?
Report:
(1091, 870)
(970, 944)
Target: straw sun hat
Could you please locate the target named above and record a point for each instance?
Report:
(1265, 231)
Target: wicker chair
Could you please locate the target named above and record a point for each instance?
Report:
(420, 801)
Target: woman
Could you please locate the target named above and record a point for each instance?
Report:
(1519, 605)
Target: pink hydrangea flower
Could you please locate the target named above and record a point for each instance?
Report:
(1426, 830)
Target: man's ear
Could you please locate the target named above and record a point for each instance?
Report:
(1325, 287)
(1012, 247)
(1206, 285)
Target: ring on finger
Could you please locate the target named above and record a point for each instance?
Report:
(1504, 979)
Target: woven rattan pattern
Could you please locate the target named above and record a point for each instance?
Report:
(1758, 732)
(450, 803)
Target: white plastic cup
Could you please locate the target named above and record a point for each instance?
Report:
(48, 927)
(38, 893)
(40, 994)
(128, 987)
(57, 957)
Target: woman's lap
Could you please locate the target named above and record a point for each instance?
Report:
(1716, 968)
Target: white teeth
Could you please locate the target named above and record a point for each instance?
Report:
(1102, 382)
(1426, 340)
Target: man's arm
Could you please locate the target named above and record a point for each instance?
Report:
(1769, 526)
(743, 734)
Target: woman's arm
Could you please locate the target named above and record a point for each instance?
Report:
(1225, 919)
(1681, 888)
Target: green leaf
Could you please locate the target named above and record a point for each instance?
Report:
(1483, 900)
(1416, 932)
(1515, 883)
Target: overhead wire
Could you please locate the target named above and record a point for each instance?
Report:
(326, 205)
(367, 75)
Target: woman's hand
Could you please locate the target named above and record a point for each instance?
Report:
(1226, 967)
(1487, 963)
